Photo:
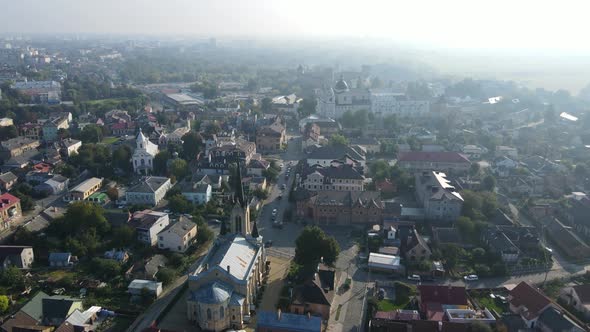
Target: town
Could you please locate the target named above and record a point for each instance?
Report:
(169, 186)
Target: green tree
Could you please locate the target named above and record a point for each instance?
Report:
(338, 139)
(4, 303)
(91, 134)
(223, 228)
(122, 157)
(179, 168)
(307, 107)
(452, 253)
(12, 277)
(161, 162)
(122, 236)
(312, 244)
(179, 204)
(489, 183)
(8, 132)
(105, 268)
(191, 145)
(266, 105)
(165, 275)
(113, 193)
(478, 254)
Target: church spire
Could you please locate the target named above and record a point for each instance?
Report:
(239, 194)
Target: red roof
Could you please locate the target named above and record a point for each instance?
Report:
(530, 298)
(7, 201)
(42, 167)
(434, 294)
(443, 157)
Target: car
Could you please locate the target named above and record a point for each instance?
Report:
(268, 244)
(283, 186)
(277, 224)
(274, 212)
(471, 277)
(414, 277)
(280, 196)
(215, 221)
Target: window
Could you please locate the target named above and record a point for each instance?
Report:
(209, 314)
(221, 312)
(179, 248)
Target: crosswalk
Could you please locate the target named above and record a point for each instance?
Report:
(280, 253)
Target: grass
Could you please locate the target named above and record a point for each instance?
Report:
(403, 294)
(109, 140)
(492, 304)
(338, 311)
(108, 101)
(388, 305)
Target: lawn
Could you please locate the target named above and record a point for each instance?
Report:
(403, 294)
(388, 305)
(109, 140)
(492, 304)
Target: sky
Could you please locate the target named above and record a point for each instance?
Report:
(465, 24)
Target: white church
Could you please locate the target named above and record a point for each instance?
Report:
(143, 156)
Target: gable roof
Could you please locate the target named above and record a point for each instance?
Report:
(557, 321)
(530, 298)
(19, 319)
(56, 308)
(583, 292)
(442, 294)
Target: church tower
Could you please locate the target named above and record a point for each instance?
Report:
(240, 213)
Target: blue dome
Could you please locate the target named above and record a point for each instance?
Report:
(341, 85)
(213, 294)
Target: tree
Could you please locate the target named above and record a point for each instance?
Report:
(338, 139)
(313, 244)
(191, 145)
(478, 254)
(8, 132)
(179, 168)
(474, 169)
(12, 277)
(165, 275)
(307, 107)
(4, 303)
(489, 183)
(266, 105)
(179, 204)
(479, 327)
(91, 134)
(113, 193)
(161, 162)
(223, 228)
(105, 268)
(123, 236)
(452, 253)
(204, 234)
(122, 157)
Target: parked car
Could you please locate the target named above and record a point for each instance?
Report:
(274, 212)
(283, 186)
(414, 277)
(471, 277)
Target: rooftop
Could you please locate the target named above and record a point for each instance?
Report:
(87, 185)
(290, 322)
(149, 184)
(141, 284)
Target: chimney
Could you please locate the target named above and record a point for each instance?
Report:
(228, 271)
(278, 314)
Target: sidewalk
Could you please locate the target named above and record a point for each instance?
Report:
(339, 304)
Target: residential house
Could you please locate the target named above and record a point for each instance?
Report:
(286, 104)
(528, 302)
(9, 209)
(150, 190)
(315, 295)
(385, 263)
(339, 177)
(311, 136)
(179, 236)
(506, 151)
(120, 256)
(339, 207)
(21, 257)
(19, 319)
(33, 131)
(440, 199)
(17, 146)
(474, 151)
(39, 172)
(148, 224)
(271, 137)
(370, 144)
(578, 297)
(56, 185)
(138, 287)
(61, 259)
(433, 298)
(69, 146)
(43, 92)
(386, 187)
(83, 190)
(7, 181)
(553, 320)
(257, 167)
(325, 155)
(416, 249)
(51, 128)
(196, 193)
(566, 239)
(499, 243)
(419, 161)
(503, 166)
(268, 321)
(175, 137)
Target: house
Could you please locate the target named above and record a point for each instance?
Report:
(69, 146)
(138, 287)
(148, 224)
(420, 161)
(325, 155)
(370, 144)
(339, 177)
(385, 263)
(30, 130)
(315, 295)
(268, 321)
(441, 200)
(120, 256)
(499, 243)
(528, 302)
(578, 297)
(150, 190)
(503, 166)
(7, 181)
(56, 185)
(39, 172)
(51, 310)
(17, 146)
(553, 320)
(506, 151)
(339, 207)
(270, 138)
(196, 193)
(179, 236)
(385, 187)
(432, 299)
(474, 151)
(469, 316)
(21, 257)
(566, 239)
(61, 259)
(51, 128)
(416, 249)
(286, 104)
(9, 209)
(257, 167)
(83, 190)
(20, 318)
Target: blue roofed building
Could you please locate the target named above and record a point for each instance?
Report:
(268, 321)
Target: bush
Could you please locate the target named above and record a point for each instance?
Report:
(166, 275)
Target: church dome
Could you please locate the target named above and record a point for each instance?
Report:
(213, 294)
(341, 85)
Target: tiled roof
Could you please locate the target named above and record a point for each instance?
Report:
(583, 292)
(442, 294)
(530, 298)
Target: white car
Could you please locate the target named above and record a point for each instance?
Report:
(414, 277)
(274, 212)
(471, 277)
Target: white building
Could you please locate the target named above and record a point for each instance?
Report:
(334, 102)
(178, 237)
(143, 156)
(386, 263)
(150, 190)
(385, 103)
(148, 224)
(439, 198)
(138, 286)
(197, 193)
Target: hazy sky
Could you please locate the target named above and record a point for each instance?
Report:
(448, 23)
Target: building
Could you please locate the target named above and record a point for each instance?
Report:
(387, 103)
(32, 131)
(419, 161)
(433, 298)
(416, 249)
(7, 181)
(150, 190)
(224, 287)
(144, 154)
(179, 236)
(182, 100)
(325, 155)
(5, 122)
(42, 92)
(553, 320)
(257, 167)
(21, 257)
(196, 193)
(506, 151)
(138, 287)
(148, 224)
(69, 146)
(61, 259)
(51, 128)
(84, 189)
(340, 177)
(286, 104)
(474, 151)
(469, 316)
(567, 239)
(333, 102)
(269, 321)
(17, 146)
(369, 144)
(55, 185)
(528, 302)
(9, 209)
(578, 297)
(499, 243)
(270, 138)
(385, 263)
(440, 200)
(315, 295)
(340, 207)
